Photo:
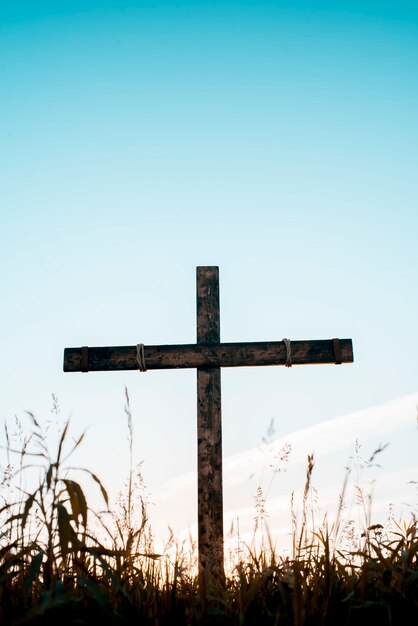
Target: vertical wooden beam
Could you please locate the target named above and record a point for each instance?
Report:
(209, 437)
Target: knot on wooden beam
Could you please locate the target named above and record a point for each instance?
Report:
(288, 346)
(140, 357)
(84, 359)
(337, 351)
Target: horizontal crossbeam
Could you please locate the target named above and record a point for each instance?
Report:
(205, 355)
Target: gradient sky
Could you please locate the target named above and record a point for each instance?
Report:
(138, 140)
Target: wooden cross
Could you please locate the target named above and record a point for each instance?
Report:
(208, 355)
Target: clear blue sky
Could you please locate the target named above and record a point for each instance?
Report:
(138, 140)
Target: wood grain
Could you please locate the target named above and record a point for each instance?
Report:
(209, 437)
(248, 354)
(208, 356)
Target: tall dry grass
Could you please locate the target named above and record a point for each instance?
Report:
(63, 563)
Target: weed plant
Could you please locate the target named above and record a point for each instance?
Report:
(62, 563)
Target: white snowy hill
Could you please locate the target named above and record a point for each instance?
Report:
(277, 468)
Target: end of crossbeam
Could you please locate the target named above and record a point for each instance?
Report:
(343, 354)
(76, 359)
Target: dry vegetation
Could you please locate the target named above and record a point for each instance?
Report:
(62, 563)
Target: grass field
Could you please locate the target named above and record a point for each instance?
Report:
(63, 563)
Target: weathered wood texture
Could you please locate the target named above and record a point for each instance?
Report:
(209, 355)
(209, 436)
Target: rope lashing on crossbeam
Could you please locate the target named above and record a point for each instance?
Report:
(84, 359)
(140, 357)
(337, 351)
(288, 352)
